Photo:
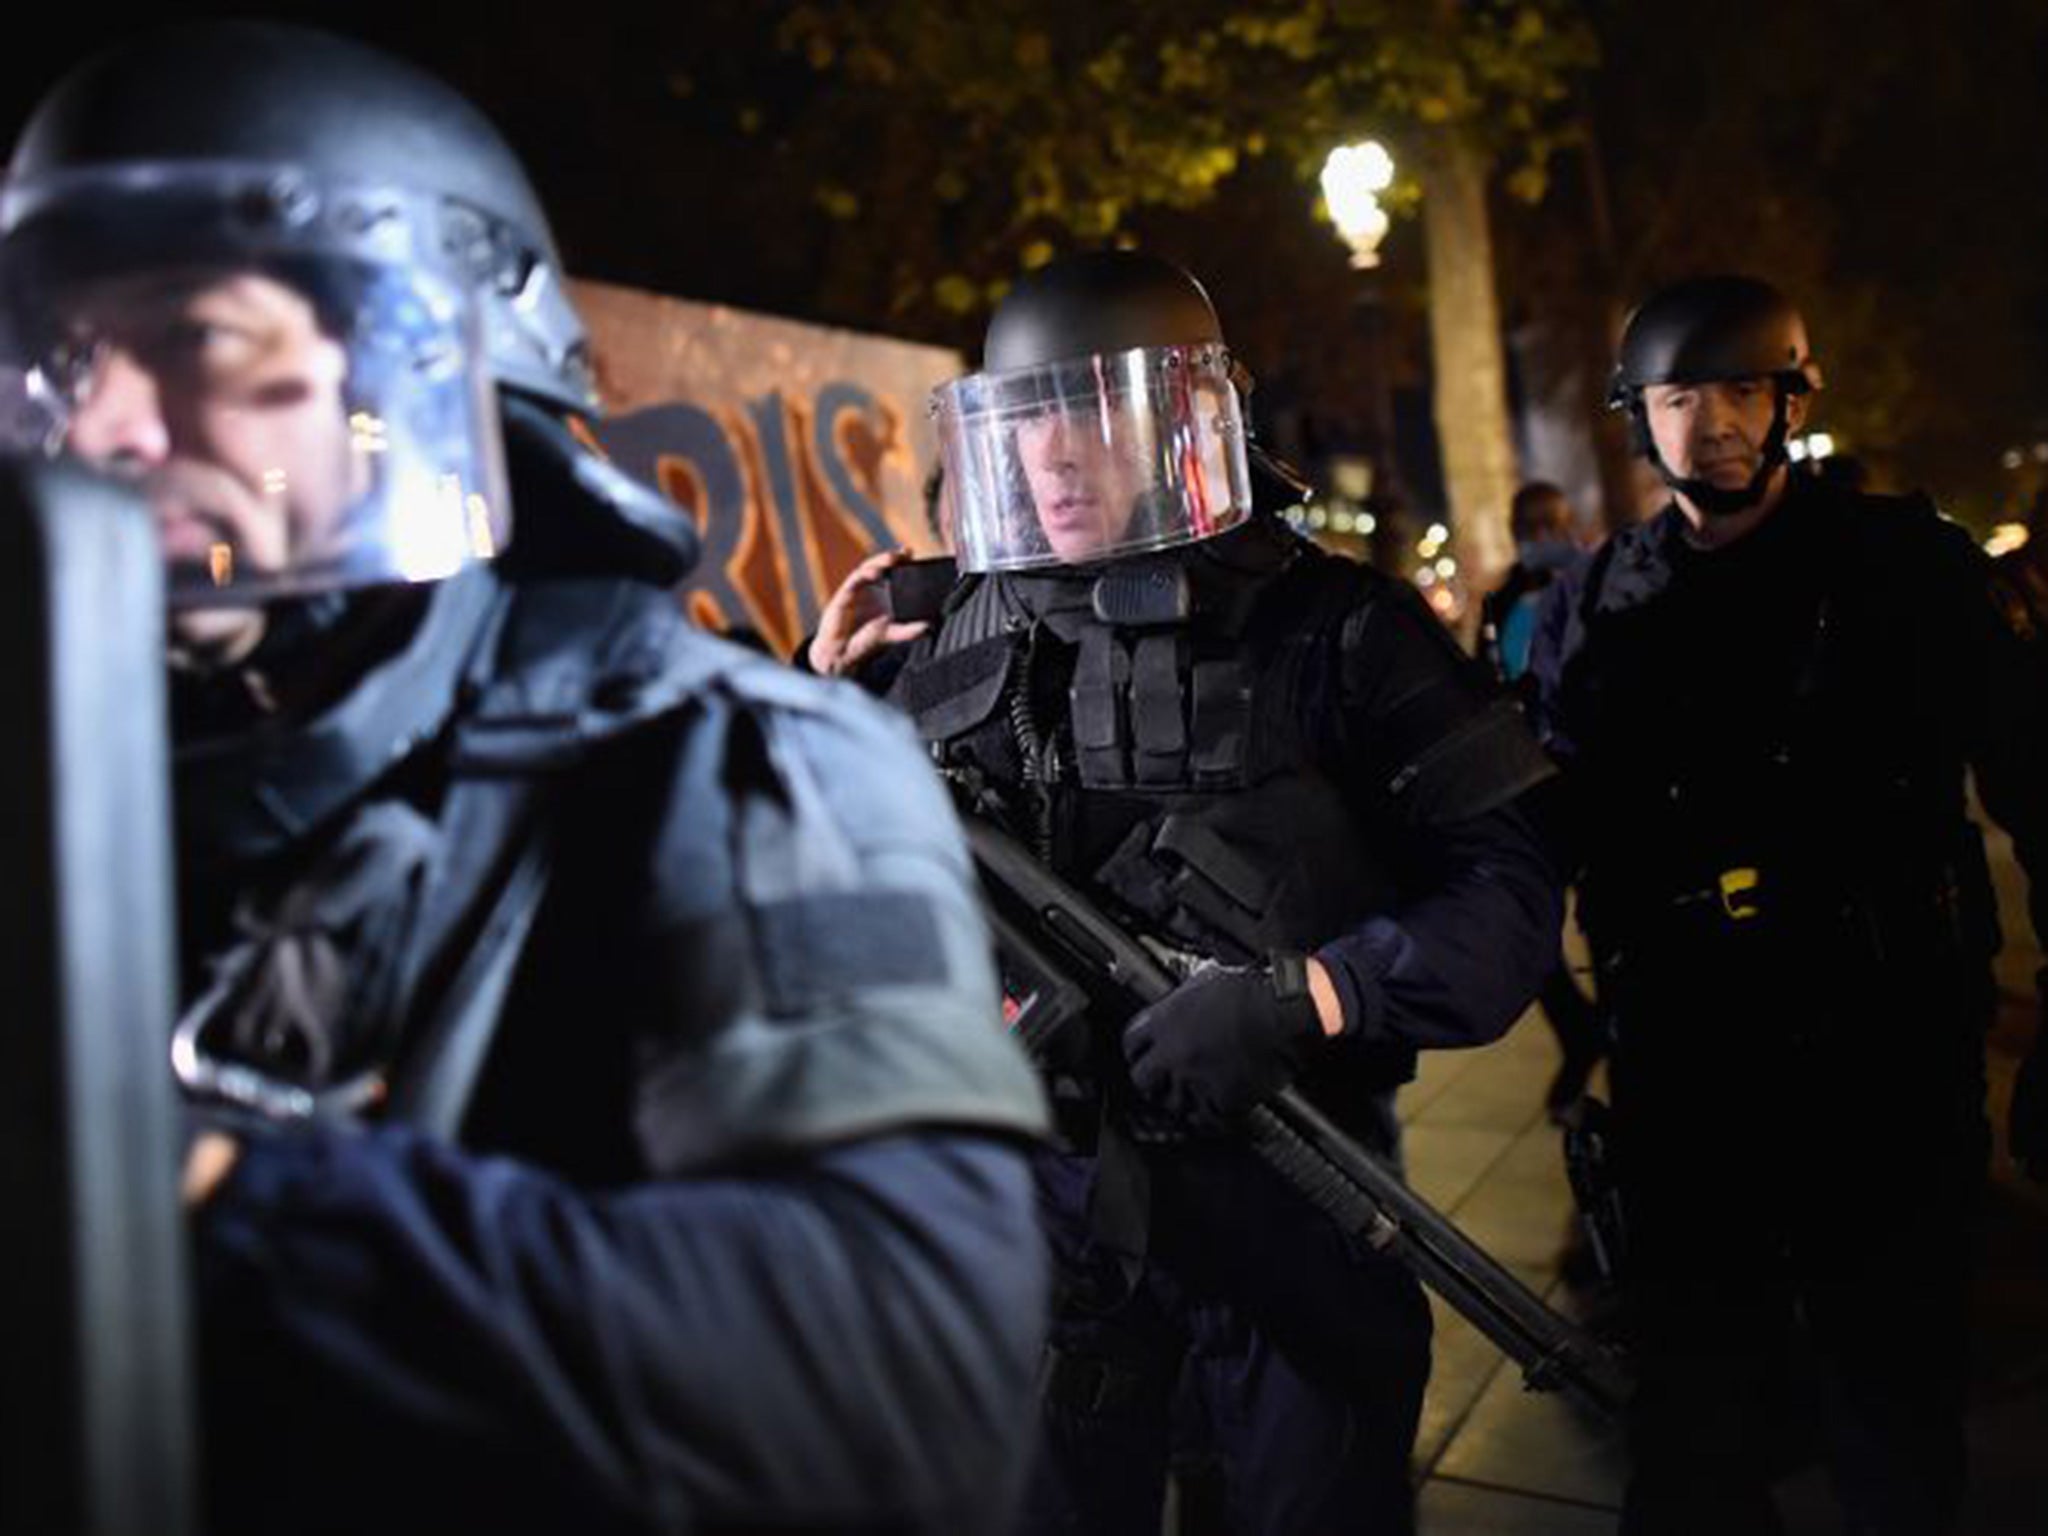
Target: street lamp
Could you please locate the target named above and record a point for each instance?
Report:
(1354, 176)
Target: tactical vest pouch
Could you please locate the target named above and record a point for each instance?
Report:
(1158, 724)
(1195, 887)
(1207, 860)
(1095, 700)
(951, 694)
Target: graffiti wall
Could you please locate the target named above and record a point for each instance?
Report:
(798, 449)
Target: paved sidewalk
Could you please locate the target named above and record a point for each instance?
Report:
(1497, 1459)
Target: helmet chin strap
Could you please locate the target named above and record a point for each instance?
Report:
(1710, 498)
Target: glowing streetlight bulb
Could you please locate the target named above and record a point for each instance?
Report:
(1353, 177)
(1368, 165)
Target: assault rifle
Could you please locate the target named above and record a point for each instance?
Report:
(1068, 968)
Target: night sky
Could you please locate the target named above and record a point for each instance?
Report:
(1886, 164)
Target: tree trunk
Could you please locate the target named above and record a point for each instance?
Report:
(1468, 356)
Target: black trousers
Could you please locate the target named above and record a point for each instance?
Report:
(1802, 1162)
(1304, 1357)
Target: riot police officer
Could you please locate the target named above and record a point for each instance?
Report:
(1765, 698)
(1274, 765)
(609, 1126)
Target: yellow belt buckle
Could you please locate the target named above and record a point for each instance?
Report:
(1738, 893)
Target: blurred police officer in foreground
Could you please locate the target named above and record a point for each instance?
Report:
(610, 1124)
(1273, 764)
(1765, 698)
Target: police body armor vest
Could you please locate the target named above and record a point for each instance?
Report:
(1159, 731)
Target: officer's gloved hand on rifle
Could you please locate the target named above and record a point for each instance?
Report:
(1224, 1039)
(2027, 1129)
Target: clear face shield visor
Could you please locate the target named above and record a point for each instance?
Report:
(291, 372)
(1089, 460)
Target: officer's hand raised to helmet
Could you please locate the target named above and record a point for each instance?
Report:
(856, 623)
(1224, 1039)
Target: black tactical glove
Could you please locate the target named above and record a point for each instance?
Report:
(1223, 1040)
(2026, 1130)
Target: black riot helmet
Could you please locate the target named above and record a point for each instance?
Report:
(1103, 301)
(303, 295)
(337, 113)
(1107, 420)
(374, 249)
(1708, 330)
